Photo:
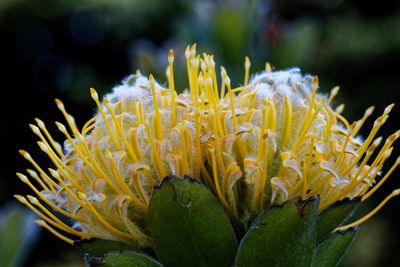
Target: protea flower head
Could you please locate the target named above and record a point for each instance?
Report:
(267, 141)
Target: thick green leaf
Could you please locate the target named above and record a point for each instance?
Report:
(188, 225)
(122, 259)
(331, 251)
(98, 247)
(335, 215)
(281, 236)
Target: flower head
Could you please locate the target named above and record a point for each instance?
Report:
(273, 138)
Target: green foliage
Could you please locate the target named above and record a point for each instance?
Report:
(330, 252)
(98, 247)
(123, 258)
(281, 236)
(190, 228)
(188, 225)
(17, 232)
(336, 215)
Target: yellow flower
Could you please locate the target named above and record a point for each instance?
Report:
(273, 138)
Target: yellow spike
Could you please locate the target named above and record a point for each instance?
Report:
(56, 145)
(379, 184)
(53, 220)
(104, 117)
(138, 185)
(272, 121)
(156, 154)
(361, 122)
(25, 180)
(28, 157)
(100, 218)
(268, 67)
(232, 103)
(54, 232)
(333, 94)
(223, 75)
(216, 179)
(125, 188)
(157, 123)
(35, 176)
(120, 132)
(172, 87)
(287, 122)
(247, 65)
(370, 214)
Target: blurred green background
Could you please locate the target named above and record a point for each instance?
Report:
(62, 48)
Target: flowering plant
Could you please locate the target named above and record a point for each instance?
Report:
(265, 174)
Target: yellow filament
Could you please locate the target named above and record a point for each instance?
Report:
(247, 65)
(156, 155)
(28, 157)
(52, 219)
(172, 87)
(25, 180)
(56, 145)
(120, 132)
(379, 184)
(157, 123)
(54, 232)
(232, 103)
(100, 218)
(216, 180)
(122, 182)
(287, 121)
(369, 215)
(104, 117)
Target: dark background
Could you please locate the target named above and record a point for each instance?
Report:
(59, 49)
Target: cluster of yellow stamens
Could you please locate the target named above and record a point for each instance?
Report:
(259, 144)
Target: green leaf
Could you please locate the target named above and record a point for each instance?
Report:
(122, 259)
(281, 236)
(188, 225)
(98, 247)
(331, 251)
(335, 215)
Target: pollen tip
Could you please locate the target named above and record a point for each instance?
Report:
(33, 200)
(39, 122)
(21, 199)
(82, 196)
(388, 109)
(247, 62)
(59, 104)
(61, 127)
(22, 177)
(34, 129)
(42, 146)
(396, 192)
(94, 94)
(171, 56)
(187, 52)
(40, 223)
(25, 154)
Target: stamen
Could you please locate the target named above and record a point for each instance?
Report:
(247, 65)
(172, 87)
(56, 145)
(54, 232)
(268, 67)
(334, 92)
(157, 123)
(232, 103)
(95, 97)
(287, 121)
(380, 183)
(369, 215)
